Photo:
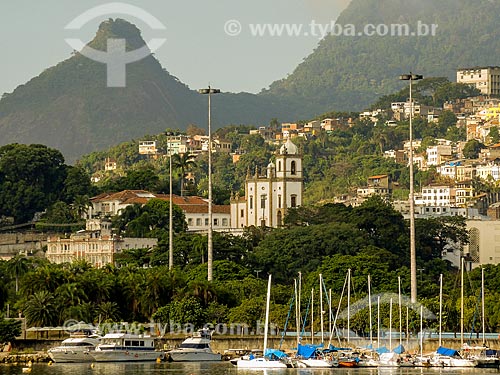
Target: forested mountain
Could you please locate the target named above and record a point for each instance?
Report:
(69, 107)
(347, 72)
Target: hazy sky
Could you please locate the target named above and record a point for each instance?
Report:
(197, 50)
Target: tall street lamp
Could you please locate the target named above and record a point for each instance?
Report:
(209, 91)
(170, 207)
(413, 255)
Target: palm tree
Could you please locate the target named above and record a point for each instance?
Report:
(184, 162)
(80, 206)
(108, 311)
(40, 310)
(17, 266)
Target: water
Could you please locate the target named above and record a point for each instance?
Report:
(219, 368)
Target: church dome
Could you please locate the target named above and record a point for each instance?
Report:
(289, 148)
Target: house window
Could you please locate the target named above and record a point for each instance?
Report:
(263, 223)
(263, 198)
(224, 222)
(279, 201)
(242, 213)
(206, 222)
(293, 200)
(216, 222)
(293, 169)
(279, 166)
(251, 202)
(198, 222)
(190, 221)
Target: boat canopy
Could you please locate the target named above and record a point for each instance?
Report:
(306, 351)
(274, 353)
(445, 351)
(382, 350)
(399, 349)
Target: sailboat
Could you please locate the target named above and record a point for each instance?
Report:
(484, 356)
(445, 357)
(268, 360)
(313, 355)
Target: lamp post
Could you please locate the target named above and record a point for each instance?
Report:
(209, 91)
(170, 208)
(413, 255)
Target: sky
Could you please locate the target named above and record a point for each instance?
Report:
(198, 50)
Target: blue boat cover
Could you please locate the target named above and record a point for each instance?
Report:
(307, 351)
(445, 351)
(274, 353)
(491, 352)
(399, 349)
(382, 350)
(336, 349)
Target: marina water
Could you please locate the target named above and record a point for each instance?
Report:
(218, 368)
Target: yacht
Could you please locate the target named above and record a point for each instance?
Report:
(125, 347)
(195, 348)
(74, 349)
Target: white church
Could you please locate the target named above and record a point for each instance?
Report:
(267, 197)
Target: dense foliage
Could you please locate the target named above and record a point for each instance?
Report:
(370, 240)
(346, 71)
(34, 178)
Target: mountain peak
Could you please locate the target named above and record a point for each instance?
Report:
(117, 29)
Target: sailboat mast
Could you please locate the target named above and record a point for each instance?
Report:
(297, 313)
(321, 305)
(348, 304)
(421, 330)
(462, 303)
(390, 325)
(378, 321)
(329, 312)
(370, 309)
(482, 305)
(440, 306)
(312, 316)
(268, 301)
(400, 312)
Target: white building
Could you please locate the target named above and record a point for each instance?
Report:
(95, 244)
(486, 79)
(438, 154)
(148, 148)
(436, 196)
(195, 208)
(488, 171)
(267, 197)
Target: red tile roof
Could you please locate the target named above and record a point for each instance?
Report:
(189, 204)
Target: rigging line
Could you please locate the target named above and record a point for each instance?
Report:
(337, 314)
(286, 322)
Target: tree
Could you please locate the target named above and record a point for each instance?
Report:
(9, 329)
(472, 148)
(76, 184)
(40, 310)
(31, 179)
(184, 163)
(494, 134)
(17, 267)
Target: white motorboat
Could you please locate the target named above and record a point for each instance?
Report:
(195, 349)
(124, 347)
(445, 357)
(269, 360)
(74, 349)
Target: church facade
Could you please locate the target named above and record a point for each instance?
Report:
(268, 195)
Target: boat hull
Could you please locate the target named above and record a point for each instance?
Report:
(193, 356)
(317, 363)
(259, 363)
(126, 356)
(70, 356)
